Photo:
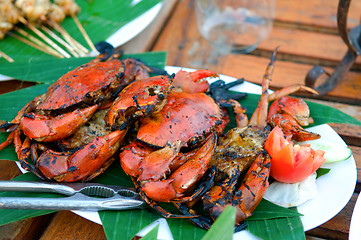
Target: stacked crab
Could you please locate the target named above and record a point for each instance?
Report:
(166, 130)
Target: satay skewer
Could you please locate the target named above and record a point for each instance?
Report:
(61, 41)
(71, 8)
(84, 33)
(80, 48)
(6, 57)
(44, 37)
(26, 41)
(35, 40)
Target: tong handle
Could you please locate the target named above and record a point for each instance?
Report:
(22, 186)
(75, 202)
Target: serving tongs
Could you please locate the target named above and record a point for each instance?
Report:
(76, 196)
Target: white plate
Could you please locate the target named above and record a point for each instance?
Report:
(127, 32)
(334, 189)
(355, 229)
(133, 28)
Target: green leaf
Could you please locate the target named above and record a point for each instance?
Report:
(289, 228)
(152, 235)
(223, 227)
(322, 171)
(268, 210)
(45, 71)
(125, 224)
(100, 19)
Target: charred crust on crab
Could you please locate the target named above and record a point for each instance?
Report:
(105, 49)
(219, 91)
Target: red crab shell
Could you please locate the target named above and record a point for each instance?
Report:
(139, 99)
(185, 117)
(90, 82)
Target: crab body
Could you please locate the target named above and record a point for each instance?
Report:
(187, 117)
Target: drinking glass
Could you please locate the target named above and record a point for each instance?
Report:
(234, 26)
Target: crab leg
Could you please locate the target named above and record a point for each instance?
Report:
(290, 89)
(70, 167)
(156, 164)
(48, 129)
(248, 195)
(8, 141)
(184, 177)
(259, 117)
(192, 82)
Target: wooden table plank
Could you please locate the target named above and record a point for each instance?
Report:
(195, 51)
(11, 170)
(29, 229)
(68, 224)
(315, 15)
(307, 47)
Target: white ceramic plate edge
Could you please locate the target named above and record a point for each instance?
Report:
(355, 229)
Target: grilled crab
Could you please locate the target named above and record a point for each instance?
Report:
(169, 161)
(59, 113)
(242, 163)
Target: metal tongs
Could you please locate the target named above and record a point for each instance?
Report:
(78, 196)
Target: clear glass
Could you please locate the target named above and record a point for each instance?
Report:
(235, 26)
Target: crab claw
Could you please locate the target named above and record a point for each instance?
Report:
(139, 99)
(84, 164)
(290, 114)
(291, 128)
(219, 91)
(156, 164)
(192, 82)
(48, 129)
(296, 107)
(184, 177)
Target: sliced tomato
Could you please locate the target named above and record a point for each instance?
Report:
(291, 163)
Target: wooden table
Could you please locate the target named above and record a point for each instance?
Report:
(306, 34)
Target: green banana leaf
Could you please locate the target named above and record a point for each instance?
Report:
(222, 229)
(125, 224)
(100, 19)
(45, 71)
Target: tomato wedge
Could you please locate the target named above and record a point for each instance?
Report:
(291, 163)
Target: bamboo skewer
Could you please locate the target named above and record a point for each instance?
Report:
(26, 41)
(52, 13)
(7, 58)
(83, 49)
(35, 40)
(83, 32)
(79, 48)
(45, 38)
(61, 41)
